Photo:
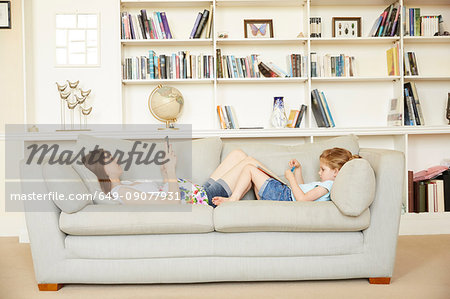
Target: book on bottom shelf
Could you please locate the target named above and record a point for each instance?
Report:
(227, 117)
(296, 117)
(321, 109)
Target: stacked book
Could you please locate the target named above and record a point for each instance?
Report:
(142, 26)
(392, 56)
(332, 65)
(315, 27)
(181, 65)
(387, 23)
(296, 117)
(410, 64)
(412, 108)
(417, 25)
(321, 110)
(227, 117)
(202, 24)
(429, 190)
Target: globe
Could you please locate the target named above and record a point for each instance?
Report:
(166, 104)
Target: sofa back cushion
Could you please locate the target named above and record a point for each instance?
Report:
(65, 182)
(353, 190)
(196, 160)
(276, 157)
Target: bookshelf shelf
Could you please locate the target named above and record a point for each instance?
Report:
(259, 3)
(358, 40)
(167, 81)
(426, 39)
(166, 42)
(161, 4)
(355, 79)
(262, 80)
(351, 3)
(261, 41)
(427, 78)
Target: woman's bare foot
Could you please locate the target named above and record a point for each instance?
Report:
(219, 199)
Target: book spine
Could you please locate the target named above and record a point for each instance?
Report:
(230, 117)
(166, 25)
(194, 29)
(219, 63)
(227, 122)
(417, 22)
(130, 22)
(394, 26)
(320, 118)
(202, 24)
(415, 95)
(388, 17)
(411, 208)
(383, 21)
(328, 110)
(300, 116)
(412, 121)
(221, 118)
(145, 22)
(209, 22)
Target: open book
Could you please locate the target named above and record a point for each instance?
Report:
(272, 175)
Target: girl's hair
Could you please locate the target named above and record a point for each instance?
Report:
(336, 157)
(95, 161)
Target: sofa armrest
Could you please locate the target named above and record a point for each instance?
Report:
(42, 218)
(380, 238)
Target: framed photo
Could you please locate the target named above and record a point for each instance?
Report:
(5, 14)
(348, 27)
(258, 28)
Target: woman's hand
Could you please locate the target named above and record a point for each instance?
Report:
(294, 163)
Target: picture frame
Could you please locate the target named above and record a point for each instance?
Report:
(346, 27)
(258, 28)
(5, 14)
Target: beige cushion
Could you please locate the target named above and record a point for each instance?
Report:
(259, 216)
(65, 182)
(95, 220)
(196, 160)
(275, 156)
(354, 187)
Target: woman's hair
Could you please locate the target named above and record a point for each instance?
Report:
(336, 157)
(95, 161)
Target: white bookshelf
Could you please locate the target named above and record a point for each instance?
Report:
(359, 104)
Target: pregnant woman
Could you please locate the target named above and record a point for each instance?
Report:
(221, 182)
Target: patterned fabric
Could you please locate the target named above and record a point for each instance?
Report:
(189, 192)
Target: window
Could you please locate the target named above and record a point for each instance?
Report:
(77, 42)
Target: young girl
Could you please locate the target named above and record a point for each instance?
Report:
(331, 161)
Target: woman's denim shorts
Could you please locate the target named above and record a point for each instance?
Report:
(274, 190)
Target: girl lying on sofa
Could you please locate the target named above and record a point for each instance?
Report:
(221, 182)
(268, 188)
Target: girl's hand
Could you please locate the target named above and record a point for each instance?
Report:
(289, 175)
(294, 163)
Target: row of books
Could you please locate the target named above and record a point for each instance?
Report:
(229, 66)
(181, 65)
(321, 110)
(417, 25)
(432, 195)
(202, 24)
(412, 108)
(406, 111)
(387, 23)
(227, 117)
(393, 61)
(333, 65)
(141, 26)
(410, 64)
(296, 117)
(315, 27)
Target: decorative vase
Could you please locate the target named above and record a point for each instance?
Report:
(278, 117)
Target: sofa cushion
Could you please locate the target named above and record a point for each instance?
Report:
(354, 187)
(65, 182)
(257, 244)
(258, 216)
(196, 160)
(95, 220)
(275, 156)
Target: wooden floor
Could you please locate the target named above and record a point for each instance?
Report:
(422, 270)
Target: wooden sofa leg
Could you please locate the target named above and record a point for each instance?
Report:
(49, 286)
(380, 280)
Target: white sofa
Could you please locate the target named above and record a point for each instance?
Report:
(244, 241)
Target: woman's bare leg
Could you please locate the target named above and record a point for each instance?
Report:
(250, 174)
(230, 161)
